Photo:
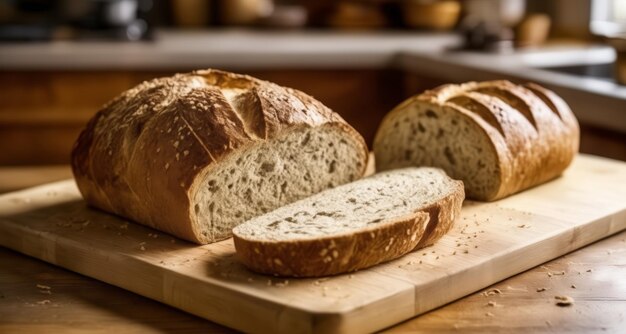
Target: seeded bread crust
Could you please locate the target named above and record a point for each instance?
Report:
(141, 156)
(333, 255)
(531, 131)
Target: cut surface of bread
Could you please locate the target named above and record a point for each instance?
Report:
(353, 226)
(439, 136)
(267, 176)
(196, 154)
(499, 138)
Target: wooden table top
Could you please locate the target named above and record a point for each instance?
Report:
(36, 297)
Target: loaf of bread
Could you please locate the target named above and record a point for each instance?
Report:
(353, 226)
(197, 154)
(498, 137)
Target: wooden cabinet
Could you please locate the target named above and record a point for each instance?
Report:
(42, 113)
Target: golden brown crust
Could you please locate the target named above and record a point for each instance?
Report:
(333, 255)
(571, 138)
(541, 148)
(139, 156)
(442, 215)
(533, 132)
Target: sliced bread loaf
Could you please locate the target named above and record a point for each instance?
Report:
(196, 154)
(353, 226)
(498, 137)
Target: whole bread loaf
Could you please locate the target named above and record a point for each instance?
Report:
(353, 226)
(197, 154)
(498, 137)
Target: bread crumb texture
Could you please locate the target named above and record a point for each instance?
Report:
(352, 226)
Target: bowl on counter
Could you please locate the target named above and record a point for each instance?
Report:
(619, 44)
(431, 14)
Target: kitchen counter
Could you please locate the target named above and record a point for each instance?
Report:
(228, 49)
(596, 102)
(36, 297)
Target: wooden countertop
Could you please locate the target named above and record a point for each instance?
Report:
(36, 297)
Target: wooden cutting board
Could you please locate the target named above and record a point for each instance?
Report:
(491, 241)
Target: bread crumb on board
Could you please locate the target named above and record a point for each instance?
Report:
(489, 314)
(542, 289)
(44, 289)
(561, 273)
(44, 302)
(564, 301)
(491, 292)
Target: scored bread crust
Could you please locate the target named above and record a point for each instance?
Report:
(357, 250)
(333, 255)
(140, 156)
(531, 130)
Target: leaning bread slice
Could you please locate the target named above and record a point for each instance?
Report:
(353, 226)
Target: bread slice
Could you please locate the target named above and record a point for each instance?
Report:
(498, 137)
(353, 226)
(196, 154)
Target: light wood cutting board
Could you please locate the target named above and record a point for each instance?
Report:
(491, 241)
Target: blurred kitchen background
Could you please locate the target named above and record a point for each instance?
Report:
(61, 60)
